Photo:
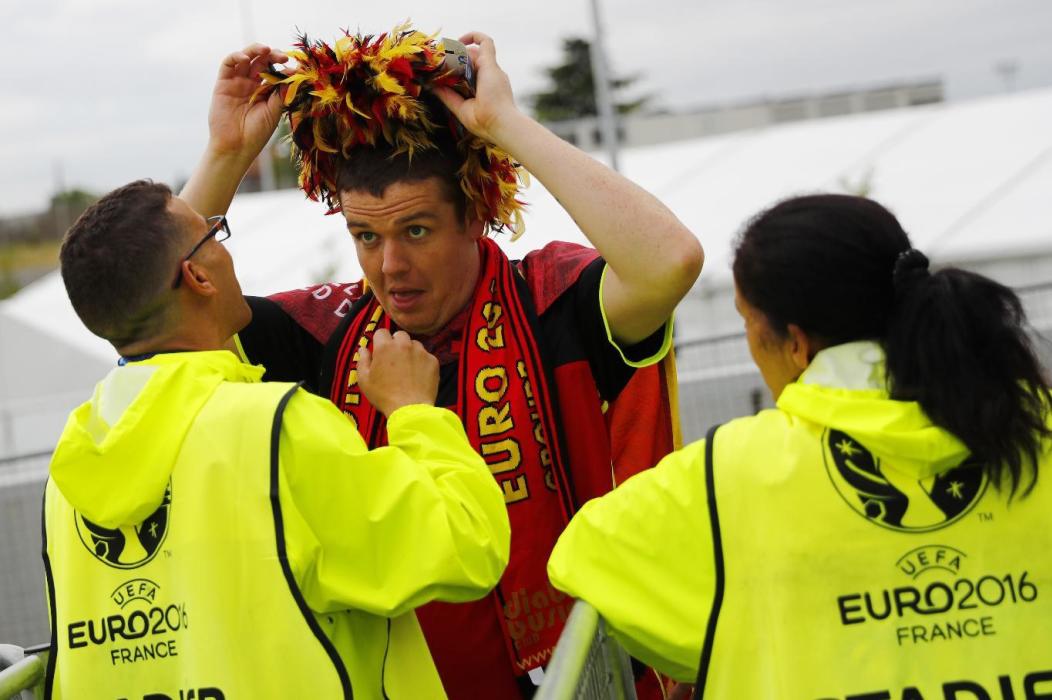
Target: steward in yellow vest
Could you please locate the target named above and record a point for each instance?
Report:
(845, 544)
(211, 536)
(811, 551)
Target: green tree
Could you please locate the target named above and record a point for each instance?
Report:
(572, 91)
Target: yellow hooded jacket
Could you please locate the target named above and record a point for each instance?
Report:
(211, 536)
(839, 546)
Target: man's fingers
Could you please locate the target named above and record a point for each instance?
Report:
(229, 65)
(381, 337)
(475, 38)
(258, 65)
(450, 98)
(485, 50)
(235, 58)
(250, 60)
(365, 361)
(257, 49)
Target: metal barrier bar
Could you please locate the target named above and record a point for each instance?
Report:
(24, 457)
(587, 663)
(25, 675)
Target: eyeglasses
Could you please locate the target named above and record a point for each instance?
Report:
(219, 229)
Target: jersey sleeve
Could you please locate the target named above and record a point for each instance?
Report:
(642, 555)
(612, 364)
(390, 529)
(288, 351)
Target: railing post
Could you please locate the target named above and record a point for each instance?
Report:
(587, 663)
(21, 676)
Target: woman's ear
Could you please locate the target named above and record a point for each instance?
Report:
(802, 347)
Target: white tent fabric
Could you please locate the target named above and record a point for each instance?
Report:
(970, 181)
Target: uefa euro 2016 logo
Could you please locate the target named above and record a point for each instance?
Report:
(130, 546)
(894, 499)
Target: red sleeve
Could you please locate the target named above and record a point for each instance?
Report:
(320, 308)
(553, 269)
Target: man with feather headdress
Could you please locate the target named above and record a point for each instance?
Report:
(557, 364)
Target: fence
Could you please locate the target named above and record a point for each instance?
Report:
(23, 609)
(588, 663)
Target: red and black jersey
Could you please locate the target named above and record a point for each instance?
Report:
(297, 335)
(290, 331)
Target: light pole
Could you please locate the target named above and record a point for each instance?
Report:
(603, 98)
(266, 157)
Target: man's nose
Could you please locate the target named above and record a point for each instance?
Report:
(395, 258)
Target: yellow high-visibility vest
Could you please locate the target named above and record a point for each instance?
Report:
(198, 600)
(839, 546)
(839, 577)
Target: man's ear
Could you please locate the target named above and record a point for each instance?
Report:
(802, 347)
(475, 228)
(197, 279)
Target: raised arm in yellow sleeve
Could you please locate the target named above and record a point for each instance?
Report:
(642, 556)
(388, 530)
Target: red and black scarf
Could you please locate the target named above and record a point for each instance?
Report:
(506, 404)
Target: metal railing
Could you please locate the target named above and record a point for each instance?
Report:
(21, 676)
(588, 663)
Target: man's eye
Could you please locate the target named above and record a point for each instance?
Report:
(417, 231)
(364, 237)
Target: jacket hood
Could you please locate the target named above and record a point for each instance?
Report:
(845, 388)
(117, 451)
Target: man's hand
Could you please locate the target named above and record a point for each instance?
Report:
(398, 372)
(493, 101)
(236, 125)
(652, 258)
(238, 129)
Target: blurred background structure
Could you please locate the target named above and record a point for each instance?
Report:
(721, 110)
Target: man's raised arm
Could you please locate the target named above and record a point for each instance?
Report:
(653, 259)
(238, 129)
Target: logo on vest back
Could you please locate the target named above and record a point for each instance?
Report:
(131, 546)
(895, 500)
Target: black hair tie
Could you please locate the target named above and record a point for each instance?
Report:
(911, 268)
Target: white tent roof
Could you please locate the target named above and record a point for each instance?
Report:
(968, 180)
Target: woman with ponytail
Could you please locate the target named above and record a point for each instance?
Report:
(885, 531)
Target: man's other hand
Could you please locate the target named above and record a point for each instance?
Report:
(493, 100)
(236, 125)
(397, 372)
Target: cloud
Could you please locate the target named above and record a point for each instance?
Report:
(119, 91)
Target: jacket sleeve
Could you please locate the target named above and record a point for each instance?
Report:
(642, 555)
(390, 529)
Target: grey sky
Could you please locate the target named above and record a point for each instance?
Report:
(101, 92)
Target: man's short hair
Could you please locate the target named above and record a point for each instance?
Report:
(118, 261)
(373, 169)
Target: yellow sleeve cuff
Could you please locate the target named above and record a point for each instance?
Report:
(666, 341)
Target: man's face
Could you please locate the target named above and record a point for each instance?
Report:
(213, 256)
(420, 258)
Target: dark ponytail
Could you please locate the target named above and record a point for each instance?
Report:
(957, 345)
(842, 269)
